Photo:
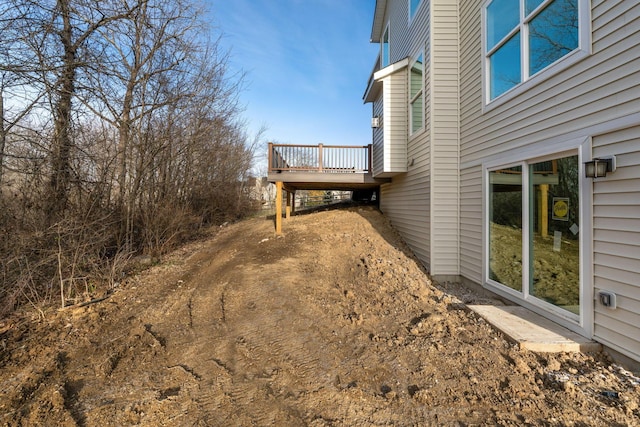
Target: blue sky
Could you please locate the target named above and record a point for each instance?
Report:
(307, 63)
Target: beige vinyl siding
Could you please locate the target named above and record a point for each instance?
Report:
(616, 241)
(596, 97)
(419, 29)
(471, 224)
(406, 204)
(444, 119)
(397, 14)
(601, 88)
(394, 123)
(424, 204)
(470, 73)
(398, 42)
(598, 89)
(378, 137)
(470, 115)
(406, 201)
(392, 137)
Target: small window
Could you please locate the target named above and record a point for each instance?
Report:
(416, 89)
(523, 38)
(385, 54)
(413, 7)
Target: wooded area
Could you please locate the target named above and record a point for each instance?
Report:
(120, 135)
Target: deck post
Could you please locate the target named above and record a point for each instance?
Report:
(269, 155)
(288, 209)
(278, 208)
(320, 157)
(293, 202)
(543, 210)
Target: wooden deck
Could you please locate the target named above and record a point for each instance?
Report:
(321, 167)
(318, 167)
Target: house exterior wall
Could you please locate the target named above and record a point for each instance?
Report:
(429, 188)
(616, 241)
(394, 126)
(471, 242)
(595, 99)
(590, 107)
(377, 152)
(406, 201)
(445, 121)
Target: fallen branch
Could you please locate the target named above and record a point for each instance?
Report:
(86, 303)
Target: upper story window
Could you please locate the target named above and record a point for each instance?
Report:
(416, 90)
(524, 37)
(413, 7)
(385, 54)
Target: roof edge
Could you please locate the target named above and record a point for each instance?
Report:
(378, 23)
(391, 69)
(375, 80)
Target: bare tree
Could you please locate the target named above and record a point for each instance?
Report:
(20, 91)
(124, 122)
(74, 22)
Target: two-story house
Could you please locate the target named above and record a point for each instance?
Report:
(510, 130)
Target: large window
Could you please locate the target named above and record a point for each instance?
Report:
(533, 228)
(416, 103)
(413, 7)
(385, 54)
(524, 37)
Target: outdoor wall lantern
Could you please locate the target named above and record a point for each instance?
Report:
(598, 168)
(375, 122)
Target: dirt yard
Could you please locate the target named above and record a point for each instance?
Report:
(334, 324)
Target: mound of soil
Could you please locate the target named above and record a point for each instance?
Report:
(333, 324)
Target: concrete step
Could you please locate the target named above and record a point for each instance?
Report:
(532, 331)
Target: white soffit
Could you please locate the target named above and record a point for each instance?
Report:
(378, 23)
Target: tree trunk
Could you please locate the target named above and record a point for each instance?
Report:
(62, 141)
(3, 137)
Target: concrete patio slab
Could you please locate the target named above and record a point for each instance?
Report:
(532, 331)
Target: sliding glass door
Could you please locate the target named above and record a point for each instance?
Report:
(553, 229)
(533, 229)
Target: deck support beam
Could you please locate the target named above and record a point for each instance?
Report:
(288, 209)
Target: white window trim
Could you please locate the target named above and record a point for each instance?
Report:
(583, 50)
(412, 99)
(582, 324)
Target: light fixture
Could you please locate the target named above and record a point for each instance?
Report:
(375, 122)
(598, 168)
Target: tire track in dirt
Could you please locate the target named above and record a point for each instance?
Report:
(192, 318)
(276, 354)
(246, 333)
(274, 337)
(334, 324)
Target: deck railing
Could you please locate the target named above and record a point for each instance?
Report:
(319, 158)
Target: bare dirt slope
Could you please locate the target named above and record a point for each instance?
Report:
(334, 324)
